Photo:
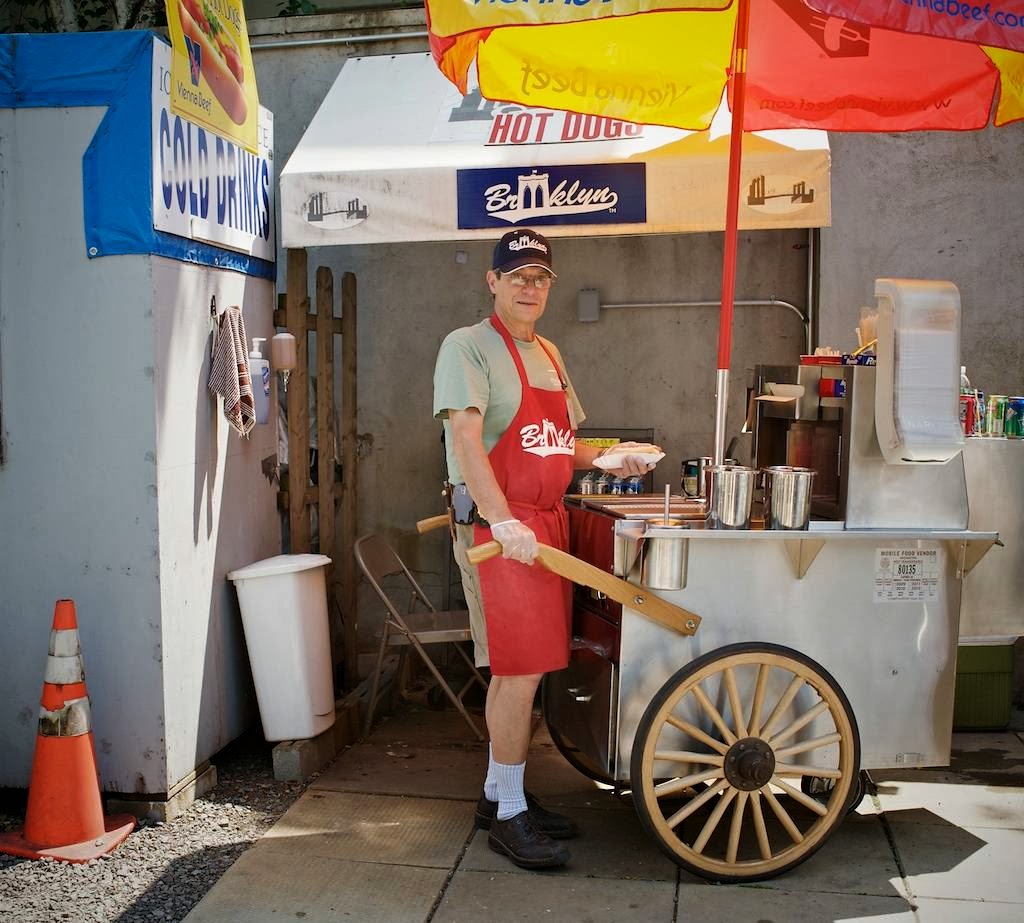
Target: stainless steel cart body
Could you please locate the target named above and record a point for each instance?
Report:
(895, 658)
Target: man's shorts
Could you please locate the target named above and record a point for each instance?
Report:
(471, 590)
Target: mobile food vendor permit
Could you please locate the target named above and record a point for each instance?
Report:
(212, 78)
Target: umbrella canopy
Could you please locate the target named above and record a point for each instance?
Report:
(805, 68)
(660, 62)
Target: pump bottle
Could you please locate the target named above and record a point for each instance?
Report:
(259, 372)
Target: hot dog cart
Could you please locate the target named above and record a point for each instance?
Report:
(824, 650)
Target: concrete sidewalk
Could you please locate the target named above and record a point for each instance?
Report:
(386, 834)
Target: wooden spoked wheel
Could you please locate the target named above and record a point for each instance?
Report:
(720, 755)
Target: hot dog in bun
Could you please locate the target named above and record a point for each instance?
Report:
(220, 61)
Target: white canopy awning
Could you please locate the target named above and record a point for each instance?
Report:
(395, 153)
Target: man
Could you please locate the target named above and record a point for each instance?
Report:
(510, 415)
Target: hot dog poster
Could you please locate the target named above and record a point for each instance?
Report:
(212, 78)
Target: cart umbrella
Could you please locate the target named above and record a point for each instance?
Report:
(659, 62)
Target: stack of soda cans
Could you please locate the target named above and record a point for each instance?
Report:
(1004, 416)
(995, 415)
(606, 484)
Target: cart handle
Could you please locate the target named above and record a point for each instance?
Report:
(434, 522)
(565, 565)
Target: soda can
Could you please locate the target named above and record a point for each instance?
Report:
(995, 414)
(979, 412)
(968, 412)
(1013, 424)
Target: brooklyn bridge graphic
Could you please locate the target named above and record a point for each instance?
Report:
(320, 208)
(535, 199)
(798, 194)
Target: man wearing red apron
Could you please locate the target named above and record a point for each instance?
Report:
(510, 418)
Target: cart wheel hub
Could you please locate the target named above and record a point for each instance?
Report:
(749, 764)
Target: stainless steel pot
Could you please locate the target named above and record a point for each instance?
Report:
(730, 493)
(787, 497)
(664, 555)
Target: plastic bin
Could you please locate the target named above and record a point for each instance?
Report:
(984, 684)
(284, 614)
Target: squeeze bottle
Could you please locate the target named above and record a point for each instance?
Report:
(259, 372)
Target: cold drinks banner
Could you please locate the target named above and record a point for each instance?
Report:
(212, 79)
(206, 187)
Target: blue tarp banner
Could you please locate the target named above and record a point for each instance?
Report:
(111, 69)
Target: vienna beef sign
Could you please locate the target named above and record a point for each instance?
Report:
(212, 79)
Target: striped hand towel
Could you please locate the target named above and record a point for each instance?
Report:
(229, 374)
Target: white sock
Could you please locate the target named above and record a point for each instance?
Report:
(511, 797)
(491, 782)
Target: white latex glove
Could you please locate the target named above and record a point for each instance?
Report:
(517, 541)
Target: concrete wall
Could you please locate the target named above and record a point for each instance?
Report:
(932, 205)
(121, 486)
(216, 511)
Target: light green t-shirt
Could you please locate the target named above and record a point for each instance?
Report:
(474, 369)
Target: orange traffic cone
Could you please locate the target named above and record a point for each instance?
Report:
(64, 819)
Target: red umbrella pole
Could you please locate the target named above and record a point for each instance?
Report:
(739, 71)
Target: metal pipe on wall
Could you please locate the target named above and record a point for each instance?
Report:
(586, 308)
(813, 286)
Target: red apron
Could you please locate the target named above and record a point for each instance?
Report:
(529, 609)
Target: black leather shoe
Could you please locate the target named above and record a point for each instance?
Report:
(524, 844)
(556, 826)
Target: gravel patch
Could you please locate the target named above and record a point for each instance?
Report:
(162, 870)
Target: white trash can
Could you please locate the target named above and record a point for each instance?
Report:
(284, 614)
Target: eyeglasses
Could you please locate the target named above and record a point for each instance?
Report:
(541, 281)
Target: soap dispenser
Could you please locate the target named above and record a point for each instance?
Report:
(259, 372)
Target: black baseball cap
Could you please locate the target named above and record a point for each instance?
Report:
(520, 248)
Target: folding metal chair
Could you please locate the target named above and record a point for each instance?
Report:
(420, 625)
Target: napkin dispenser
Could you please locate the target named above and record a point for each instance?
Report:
(917, 386)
